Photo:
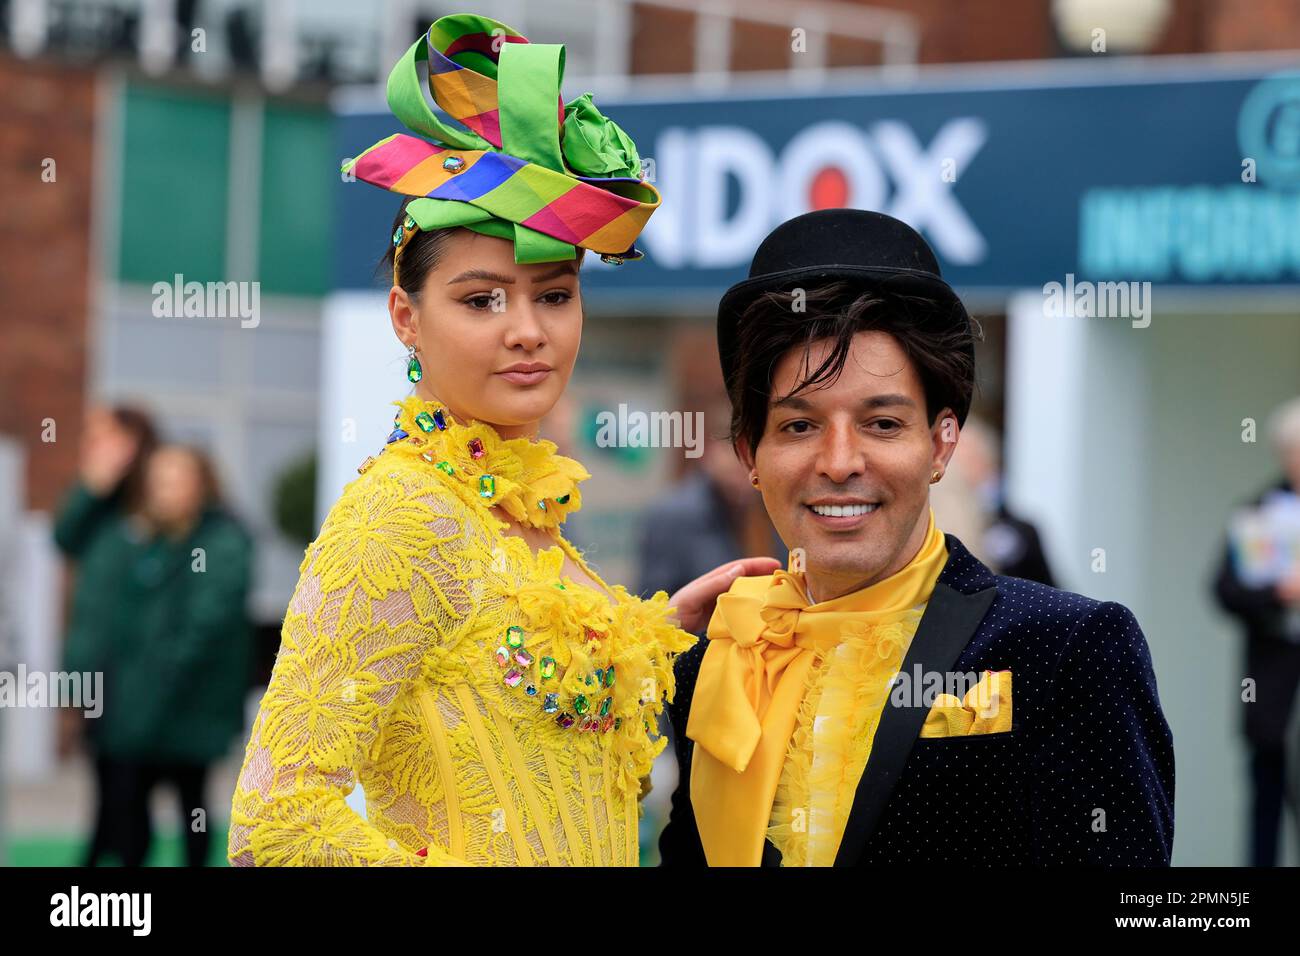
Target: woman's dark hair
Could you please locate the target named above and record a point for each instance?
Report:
(139, 424)
(422, 253)
(420, 256)
(771, 326)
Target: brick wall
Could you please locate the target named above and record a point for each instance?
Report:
(47, 111)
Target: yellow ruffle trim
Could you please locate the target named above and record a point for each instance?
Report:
(639, 637)
(847, 687)
(528, 475)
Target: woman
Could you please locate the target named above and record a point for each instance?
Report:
(168, 630)
(445, 645)
(115, 445)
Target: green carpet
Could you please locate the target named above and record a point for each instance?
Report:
(57, 849)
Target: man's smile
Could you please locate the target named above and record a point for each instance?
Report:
(841, 514)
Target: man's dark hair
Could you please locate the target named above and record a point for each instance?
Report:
(770, 327)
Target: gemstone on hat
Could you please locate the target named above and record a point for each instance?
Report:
(361, 468)
(531, 690)
(408, 222)
(606, 725)
(397, 236)
(487, 486)
(476, 450)
(550, 703)
(425, 421)
(613, 260)
(548, 668)
(542, 504)
(609, 676)
(503, 656)
(605, 705)
(523, 658)
(439, 419)
(515, 636)
(397, 435)
(581, 704)
(513, 677)
(562, 500)
(453, 164)
(565, 721)
(427, 456)
(445, 467)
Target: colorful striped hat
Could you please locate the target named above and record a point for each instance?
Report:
(523, 165)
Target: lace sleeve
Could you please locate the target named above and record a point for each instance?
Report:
(385, 577)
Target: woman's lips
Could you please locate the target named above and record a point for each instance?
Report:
(525, 378)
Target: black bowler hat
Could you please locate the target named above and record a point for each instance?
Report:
(866, 248)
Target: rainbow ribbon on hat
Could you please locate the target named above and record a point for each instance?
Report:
(523, 165)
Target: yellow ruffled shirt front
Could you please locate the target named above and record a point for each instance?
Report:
(846, 690)
(494, 711)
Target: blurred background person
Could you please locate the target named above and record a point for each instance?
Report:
(708, 517)
(1258, 582)
(115, 445)
(161, 612)
(970, 503)
(710, 514)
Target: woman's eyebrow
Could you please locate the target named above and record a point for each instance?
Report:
(481, 274)
(567, 268)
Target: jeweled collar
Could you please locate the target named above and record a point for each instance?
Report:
(525, 478)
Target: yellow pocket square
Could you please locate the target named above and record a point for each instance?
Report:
(986, 709)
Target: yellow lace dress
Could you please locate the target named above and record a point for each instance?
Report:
(495, 711)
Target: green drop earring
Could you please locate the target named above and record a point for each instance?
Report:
(413, 370)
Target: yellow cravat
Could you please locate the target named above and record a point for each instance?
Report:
(763, 638)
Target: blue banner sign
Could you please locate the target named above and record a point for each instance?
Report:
(1179, 180)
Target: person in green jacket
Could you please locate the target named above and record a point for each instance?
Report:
(166, 624)
(116, 441)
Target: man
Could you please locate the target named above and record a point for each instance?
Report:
(890, 699)
(1267, 604)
